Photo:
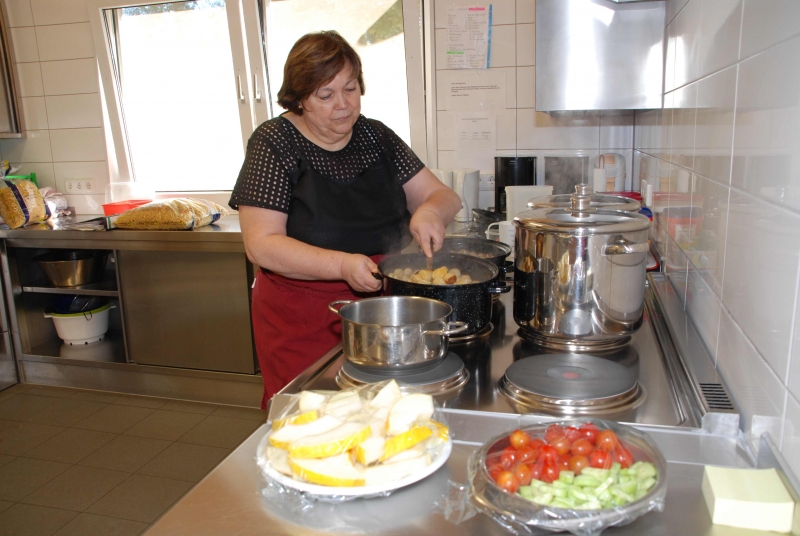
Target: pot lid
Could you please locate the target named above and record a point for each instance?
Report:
(604, 202)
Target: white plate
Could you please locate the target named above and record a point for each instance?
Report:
(354, 491)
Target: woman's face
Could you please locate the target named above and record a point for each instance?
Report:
(333, 109)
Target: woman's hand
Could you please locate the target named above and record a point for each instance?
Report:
(427, 227)
(357, 270)
(434, 205)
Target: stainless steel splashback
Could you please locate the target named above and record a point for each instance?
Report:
(599, 55)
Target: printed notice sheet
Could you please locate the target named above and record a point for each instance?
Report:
(476, 90)
(469, 37)
(476, 139)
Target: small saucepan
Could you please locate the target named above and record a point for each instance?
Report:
(483, 248)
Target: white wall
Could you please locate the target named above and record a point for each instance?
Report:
(56, 69)
(731, 120)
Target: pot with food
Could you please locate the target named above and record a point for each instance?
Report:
(464, 282)
(482, 248)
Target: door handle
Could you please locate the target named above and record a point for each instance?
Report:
(256, 91)
(239, 87)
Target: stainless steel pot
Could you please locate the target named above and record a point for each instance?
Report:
(579, 275)
(598, 201)
(402, 333)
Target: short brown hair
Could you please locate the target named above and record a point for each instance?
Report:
(314, 61)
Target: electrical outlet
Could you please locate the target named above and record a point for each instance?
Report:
(79, 186)
(487, 181)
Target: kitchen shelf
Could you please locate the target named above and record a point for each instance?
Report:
(110, 350)
(107, 288)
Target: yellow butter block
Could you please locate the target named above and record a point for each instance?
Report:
(748, 498)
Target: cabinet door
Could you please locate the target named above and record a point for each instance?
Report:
(187, 309)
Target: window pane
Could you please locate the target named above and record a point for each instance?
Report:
(373, 27)
(179, 95)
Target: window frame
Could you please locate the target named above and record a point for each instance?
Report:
(247, 25)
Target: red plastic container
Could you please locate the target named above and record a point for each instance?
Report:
(118, 207)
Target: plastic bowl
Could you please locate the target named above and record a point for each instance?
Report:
(81, 328)
(118, 207)
(523, 516)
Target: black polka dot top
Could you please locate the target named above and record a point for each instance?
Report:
(264, 178)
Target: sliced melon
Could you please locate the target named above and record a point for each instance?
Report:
(416, 451)
(440, 431)
(301, 418)
(387, 396)
(409, 410)
(343, 404)
(391, 472)
(279, 459)
(292, 432)
(334, 471)
(332, 442)
(370, 450)
(406, 440)
(311, 400)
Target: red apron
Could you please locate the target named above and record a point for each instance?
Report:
(293, 326)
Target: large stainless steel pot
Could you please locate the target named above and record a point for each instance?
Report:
(598, 201)
(579, 275)
(399, 333)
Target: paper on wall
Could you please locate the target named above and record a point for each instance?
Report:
(476, 140)
(469, 37)
(476, 90)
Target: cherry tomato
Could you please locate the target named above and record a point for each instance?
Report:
(523, 474)
(581, 447)
(553, 432)
(494, 470)
(508, 457)
(578, 464)
(572, 433)
(536, 470)
(600, 459)
(548, 454)
(508, 481)
(562, 445)
(607, 440)
(589, 431)
(622, 456)
(536, 443)
(563, 461)
(519, 439)
(526, 455)
(550, 473)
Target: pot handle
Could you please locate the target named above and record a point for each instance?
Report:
(501, 288)
(620, 246)
(452, 328)
(332, 305)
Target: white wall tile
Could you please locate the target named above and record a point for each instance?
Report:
(757, 392)
(616, 131)
(720, 27)
(44, 173)
(25, 47)
(67, 77)
(707, 255)
(665, 127)
(762, 251)
(445, 131)
(683, 125)
(526, 11)
(538, 130)
(18, 13)
(65, 41)
(446, 160)
(767, 23)
(442, 85)
(82, 170)
(29, 78)
(503, 11)
(74, 111)
(673, 7)
(59, 12)
(647, 130)
(34, 113)
(766, 148)
(506, 131)
(440, 37)
(503, 46)
(78, 145)
(791, 435)
(35, 147)
(716, 98)
(687, 43)
(511, 85)
(526, 44)
(793, 382)
(703, 307)
(526, 87)
(86, 204)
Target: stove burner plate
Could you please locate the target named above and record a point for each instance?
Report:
(564, 344)
(571, 383)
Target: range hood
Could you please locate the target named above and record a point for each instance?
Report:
(599, 55)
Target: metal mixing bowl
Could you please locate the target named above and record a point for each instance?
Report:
(72, 268)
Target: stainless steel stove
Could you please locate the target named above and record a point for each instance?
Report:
(643, 382)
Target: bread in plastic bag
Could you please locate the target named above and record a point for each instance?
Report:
(21, 203)
(171, 215)
(333, 446)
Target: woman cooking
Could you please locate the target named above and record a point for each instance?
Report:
(322, 195)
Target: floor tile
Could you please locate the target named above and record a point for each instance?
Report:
(51, 391)
(190, 407)
(5, 459)
(183, 461)
(70, 446)
(7, 424)
(24, 406)
(220, 432)
(168, 425)
(24, 475)
(5, 395)
(114, 419)
(67, 412)
(238, 412)
(140, 498)
(125, 453)
(5, 505)
(95, 396)
(22, 437)
(77, 488)
(19, 388)
(30, 520)
(141, 401)
(90, 524)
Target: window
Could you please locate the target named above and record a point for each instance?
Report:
(186, 83)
